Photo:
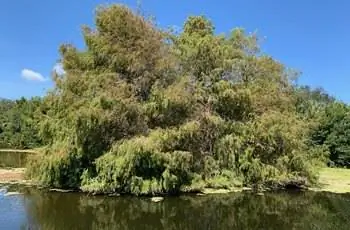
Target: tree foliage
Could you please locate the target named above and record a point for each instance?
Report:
(329, 119)
(333, 132)
(19, 123)
(144, 111)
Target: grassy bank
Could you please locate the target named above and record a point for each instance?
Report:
(334, 180)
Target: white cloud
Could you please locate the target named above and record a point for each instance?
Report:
(58, 68)
(31, 75)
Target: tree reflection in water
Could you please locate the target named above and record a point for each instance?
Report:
(232, 211)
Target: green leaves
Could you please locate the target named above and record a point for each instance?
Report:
(19, 123)
(333, 132)
(144, 111)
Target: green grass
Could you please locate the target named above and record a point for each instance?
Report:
(335, 180)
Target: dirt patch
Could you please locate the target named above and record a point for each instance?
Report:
(11, 175)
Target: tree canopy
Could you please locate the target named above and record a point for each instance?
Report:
(142, 110)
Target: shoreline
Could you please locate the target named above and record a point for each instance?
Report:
(334, 180)
(12, 175)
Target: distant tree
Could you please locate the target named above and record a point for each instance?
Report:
(19, 124)
(333, 132)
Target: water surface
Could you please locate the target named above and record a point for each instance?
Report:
(276, 211)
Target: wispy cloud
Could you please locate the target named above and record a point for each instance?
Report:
(31, 75)
(58, 68)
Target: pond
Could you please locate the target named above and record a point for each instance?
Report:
(34, 209)
(13, 159)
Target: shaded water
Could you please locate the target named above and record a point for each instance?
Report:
(281, 211)
(13, 159)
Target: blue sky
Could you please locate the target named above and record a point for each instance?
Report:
(308, 35)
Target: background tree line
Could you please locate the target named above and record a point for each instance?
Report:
(330, 119)
(19, 124)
